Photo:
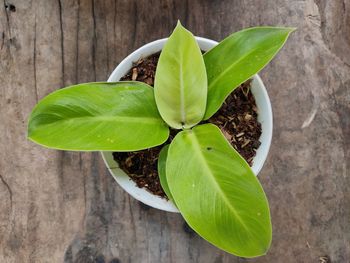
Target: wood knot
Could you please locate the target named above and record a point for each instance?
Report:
(10, 7)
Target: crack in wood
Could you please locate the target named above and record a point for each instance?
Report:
(62, 39)
(34, 62)
(8, 189)
(85, 199)
(132, 219)
(94, 42)
(107, 46)
(77, 46)
(8, 20)
(114, 23)
(186, 13)
(135, 17)
(2, 40)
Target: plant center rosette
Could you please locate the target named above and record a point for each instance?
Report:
(237, 118)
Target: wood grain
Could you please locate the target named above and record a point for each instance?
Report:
(65, 207)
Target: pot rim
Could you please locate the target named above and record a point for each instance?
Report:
(264, 116)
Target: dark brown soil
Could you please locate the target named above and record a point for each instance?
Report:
(237, 119)
(144, 70)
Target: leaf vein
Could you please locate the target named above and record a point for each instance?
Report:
(217, 186)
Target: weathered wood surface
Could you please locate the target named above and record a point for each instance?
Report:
(64, 206)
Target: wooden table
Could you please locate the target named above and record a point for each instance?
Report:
(64, 206)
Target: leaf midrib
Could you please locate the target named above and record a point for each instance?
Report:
(182, 96)
(146, 120)
(216, 185)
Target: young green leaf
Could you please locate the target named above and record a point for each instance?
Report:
(162, 171)
(180, 85)
(237, 58)
(98, 117)
(217, 192)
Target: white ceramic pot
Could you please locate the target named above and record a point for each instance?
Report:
(264, 116)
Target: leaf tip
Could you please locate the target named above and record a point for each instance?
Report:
(291, 29)
(179, 26)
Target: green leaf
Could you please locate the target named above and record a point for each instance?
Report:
(237, 58)
(180, 85)
(162, 171)
(98, 117)
(217, 192)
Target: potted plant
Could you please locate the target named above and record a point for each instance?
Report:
(208, 181)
